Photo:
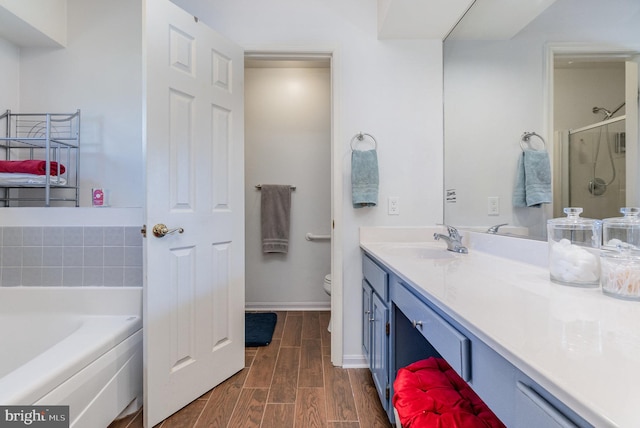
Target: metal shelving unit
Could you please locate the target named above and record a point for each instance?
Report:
(49, 137)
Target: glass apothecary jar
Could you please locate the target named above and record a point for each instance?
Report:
(622, 230)
(620, 273)
(574, 244)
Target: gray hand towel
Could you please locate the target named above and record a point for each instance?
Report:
(275, 217)
(364, 178)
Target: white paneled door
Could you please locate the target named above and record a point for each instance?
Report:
(194, 281)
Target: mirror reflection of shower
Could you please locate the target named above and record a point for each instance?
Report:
(589, 121)
(607, 113)
(598, 186)
(596, 164)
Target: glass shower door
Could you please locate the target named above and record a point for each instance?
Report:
(597, 168)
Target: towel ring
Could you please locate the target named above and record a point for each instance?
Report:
(360, 137)
(526, 137)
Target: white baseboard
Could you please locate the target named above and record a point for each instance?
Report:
(354, 362)
(287, 306)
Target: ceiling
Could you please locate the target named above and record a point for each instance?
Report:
(397, 19)
(34, 23)
(419, 19)
(435, 19)
(21, 33)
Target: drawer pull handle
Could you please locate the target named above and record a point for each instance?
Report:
(372, 319)
(416, 323)
(367, 312)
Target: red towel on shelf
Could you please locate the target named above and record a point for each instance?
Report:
(30, 167)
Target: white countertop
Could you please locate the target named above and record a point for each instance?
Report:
(580, 345)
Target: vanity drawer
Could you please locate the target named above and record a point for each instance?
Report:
(452, 345)
(376, 277)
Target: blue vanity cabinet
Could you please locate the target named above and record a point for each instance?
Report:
(375, 326)
(420, 328)
(379, 361)
(367, 295)
(493, 379)
(534, 406)
(449, 343)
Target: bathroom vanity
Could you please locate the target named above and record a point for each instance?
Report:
(538, 353)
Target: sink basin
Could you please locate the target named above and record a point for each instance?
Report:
(419, 251)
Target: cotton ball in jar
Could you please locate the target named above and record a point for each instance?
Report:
(572, 264)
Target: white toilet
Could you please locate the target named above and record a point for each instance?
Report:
(327, 289)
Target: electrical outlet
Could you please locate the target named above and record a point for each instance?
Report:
(394, 205)
(493, 205)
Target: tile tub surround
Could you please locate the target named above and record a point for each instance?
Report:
(72, 256)
(580, 345)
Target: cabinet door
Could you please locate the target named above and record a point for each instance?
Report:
(367, 292)
(532, 410)
(379, 345)
(377, 278)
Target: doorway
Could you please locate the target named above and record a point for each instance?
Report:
(588, 94)
(288, 140)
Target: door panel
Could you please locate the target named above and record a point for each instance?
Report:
(182, 286)
(379, 346)
(367, 293)
(194, 282)
(181, 186)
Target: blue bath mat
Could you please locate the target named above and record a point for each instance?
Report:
(258, 328)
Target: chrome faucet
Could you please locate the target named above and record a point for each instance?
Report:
(494, 229)
(454, 240)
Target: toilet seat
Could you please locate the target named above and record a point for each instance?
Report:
(327, 288)
(327, 284)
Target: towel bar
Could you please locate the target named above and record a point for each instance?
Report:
(259, 186)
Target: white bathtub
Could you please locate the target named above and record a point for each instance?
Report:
(80, 347)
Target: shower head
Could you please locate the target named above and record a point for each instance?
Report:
(607, 113)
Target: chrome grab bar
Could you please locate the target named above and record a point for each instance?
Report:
(311, 237)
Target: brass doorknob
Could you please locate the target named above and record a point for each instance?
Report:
(159, 230)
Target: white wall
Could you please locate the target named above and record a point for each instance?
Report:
(288, 141)
(99, 72)
(10, 76)
(390, 89)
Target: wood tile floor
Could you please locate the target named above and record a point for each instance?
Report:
(290, 383)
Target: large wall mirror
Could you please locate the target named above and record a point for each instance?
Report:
(568, 72)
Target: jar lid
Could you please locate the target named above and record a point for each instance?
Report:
(631, 218)
(622, 252)
(573, 220)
